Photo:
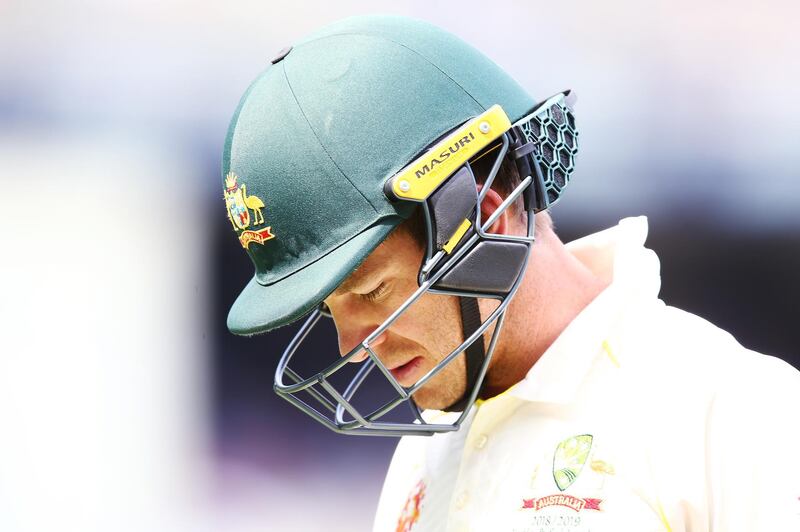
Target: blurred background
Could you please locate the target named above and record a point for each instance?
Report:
(124, 402)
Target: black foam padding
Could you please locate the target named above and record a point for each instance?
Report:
(455, 200)
(490, 268)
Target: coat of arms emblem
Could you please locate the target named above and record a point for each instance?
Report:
(239, 204)
(411, 511)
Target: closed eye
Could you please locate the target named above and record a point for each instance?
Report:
(376, 294)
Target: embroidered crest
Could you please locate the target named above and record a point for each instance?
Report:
(569, 459)
(410, 513)
(562, 499)
(239, 205)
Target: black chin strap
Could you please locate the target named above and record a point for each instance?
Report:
(475, 353)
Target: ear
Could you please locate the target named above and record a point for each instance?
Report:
(489, 205)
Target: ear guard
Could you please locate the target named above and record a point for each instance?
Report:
(543, 145)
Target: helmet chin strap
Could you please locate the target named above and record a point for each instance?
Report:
(475, 353)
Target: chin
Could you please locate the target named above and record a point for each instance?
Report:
(432, 397)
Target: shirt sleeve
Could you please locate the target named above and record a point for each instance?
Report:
(753, 447)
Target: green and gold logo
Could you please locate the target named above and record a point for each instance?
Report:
(569, 459)
(239, 204)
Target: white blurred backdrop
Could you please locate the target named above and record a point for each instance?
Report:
(112, 119)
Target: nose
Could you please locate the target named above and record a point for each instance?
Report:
(350, 337)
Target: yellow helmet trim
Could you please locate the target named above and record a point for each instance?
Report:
(420, 178)
(457, 236)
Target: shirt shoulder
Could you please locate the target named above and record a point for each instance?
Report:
(404, 475)
(751, 431)
(675, 346)
(724, 412)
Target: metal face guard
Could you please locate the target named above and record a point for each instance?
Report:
(460, 259)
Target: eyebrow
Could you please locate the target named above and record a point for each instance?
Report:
(358, 277)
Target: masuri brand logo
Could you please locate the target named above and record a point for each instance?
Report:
(444, 154)
(239, 205)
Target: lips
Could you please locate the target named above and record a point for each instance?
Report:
(406, 373)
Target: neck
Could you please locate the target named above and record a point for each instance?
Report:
(556, 288)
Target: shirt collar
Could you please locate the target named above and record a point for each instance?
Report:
(618, 255)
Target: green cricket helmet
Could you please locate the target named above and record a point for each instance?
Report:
(336, 143)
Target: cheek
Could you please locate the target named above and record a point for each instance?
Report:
(434, 323)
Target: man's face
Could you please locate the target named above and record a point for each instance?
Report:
(419, 339)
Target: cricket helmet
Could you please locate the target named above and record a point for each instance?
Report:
(335, 144)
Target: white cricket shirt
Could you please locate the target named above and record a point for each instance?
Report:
(638, 417)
